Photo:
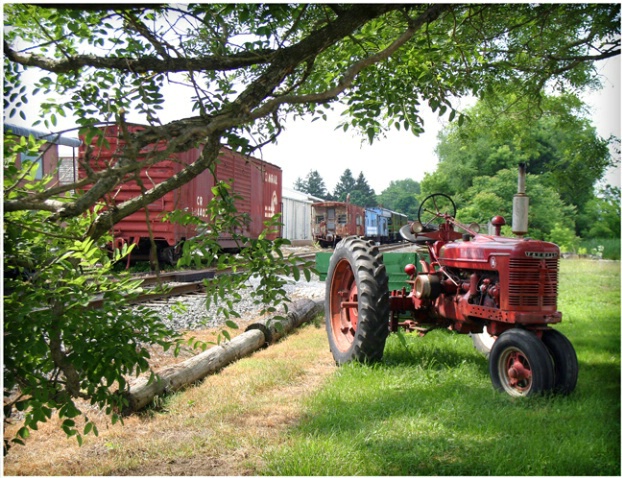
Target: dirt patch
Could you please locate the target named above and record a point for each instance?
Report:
(262, 419)
(215, 465)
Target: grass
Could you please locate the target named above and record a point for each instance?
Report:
(429, 409)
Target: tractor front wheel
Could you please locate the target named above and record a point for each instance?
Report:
(520, 364)
(357, 302)
(564, 361)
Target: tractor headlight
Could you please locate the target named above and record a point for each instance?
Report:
(474, 227)
(416, 227)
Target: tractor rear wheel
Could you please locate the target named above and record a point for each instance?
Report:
(520, 364)
(357, 302)
(564, 361)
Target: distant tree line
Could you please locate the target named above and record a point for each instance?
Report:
(358, 189)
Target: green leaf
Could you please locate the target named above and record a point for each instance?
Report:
(88, 428)
(295, 272)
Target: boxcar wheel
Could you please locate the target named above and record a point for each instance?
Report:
(520, 364)
(357, 302)
(564, 361)
(167, 256)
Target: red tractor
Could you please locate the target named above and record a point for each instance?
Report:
(470, 283)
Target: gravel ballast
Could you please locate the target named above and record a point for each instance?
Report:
(197, 316)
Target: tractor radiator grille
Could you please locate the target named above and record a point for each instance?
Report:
(533, 282)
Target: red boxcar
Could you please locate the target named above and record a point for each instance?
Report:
(257, 182)
(333, 220)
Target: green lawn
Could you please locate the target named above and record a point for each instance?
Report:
(429, 408)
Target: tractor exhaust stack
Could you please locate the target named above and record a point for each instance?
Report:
(520, 210)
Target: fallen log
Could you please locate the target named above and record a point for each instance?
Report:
(142, 391)
(274, 329)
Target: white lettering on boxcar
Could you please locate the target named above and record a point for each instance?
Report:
(199, 210)
(270, 210)
(271, 178)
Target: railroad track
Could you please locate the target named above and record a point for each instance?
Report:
(181, 283)
(196, 276)
(178, 276)
(172, 290)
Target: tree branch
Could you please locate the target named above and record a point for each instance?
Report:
(140, 65)
(349, 76)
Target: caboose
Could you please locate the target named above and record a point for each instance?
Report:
(334, 220)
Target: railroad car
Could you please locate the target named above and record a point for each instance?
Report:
(334, 220)
(297, 217)
(48, 160)
(377, 224)
(396, 222)
(258, 182)
(383, 225)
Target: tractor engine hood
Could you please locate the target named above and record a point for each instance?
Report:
(484, 251)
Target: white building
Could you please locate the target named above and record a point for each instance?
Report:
(297, 216)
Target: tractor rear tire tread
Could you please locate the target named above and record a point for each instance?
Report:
(365, 259)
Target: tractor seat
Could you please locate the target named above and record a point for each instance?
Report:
(407, 235)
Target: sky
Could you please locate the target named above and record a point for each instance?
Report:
(305, 145)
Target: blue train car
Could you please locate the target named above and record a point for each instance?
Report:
(377, 224)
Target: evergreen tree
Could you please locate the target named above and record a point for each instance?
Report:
(300, 185)
(316, 186)
(345, 186)
(359, 190)
(363, 194)
(313, 184)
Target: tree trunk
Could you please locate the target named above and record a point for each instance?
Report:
(177, 376)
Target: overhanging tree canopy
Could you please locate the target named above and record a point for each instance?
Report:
(249, 66)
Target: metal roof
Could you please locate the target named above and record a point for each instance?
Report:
(50, 138)
(300, 196)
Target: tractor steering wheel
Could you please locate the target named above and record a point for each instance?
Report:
(434, 208)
